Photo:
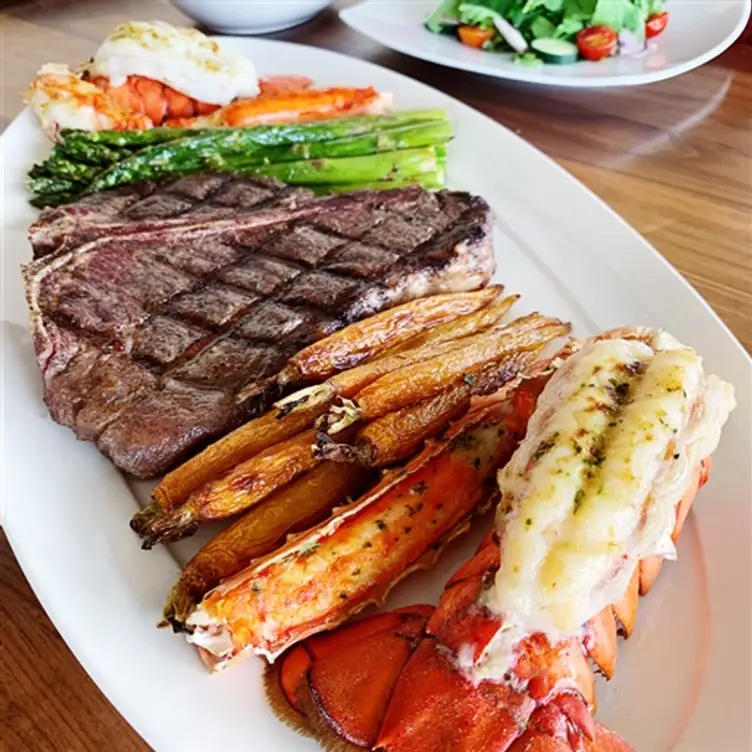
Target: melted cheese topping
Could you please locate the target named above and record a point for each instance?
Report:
(594, 486)
(184, 59)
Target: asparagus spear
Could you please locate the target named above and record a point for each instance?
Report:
(431, 133)
(389, 165)
(269, 135)
(42, 200)
(61, 167)
(229, 155)
(51, 185)
(130, 140)
(92, 153)
(429, 181)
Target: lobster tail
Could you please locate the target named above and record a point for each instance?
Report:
(403, 682)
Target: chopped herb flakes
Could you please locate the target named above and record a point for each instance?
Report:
(368, 544)
(579, 497)
(411, 511)
(528, 523)
(343, 596)
(419, 488)
(381, 525)
(469, 380)
(545, 446)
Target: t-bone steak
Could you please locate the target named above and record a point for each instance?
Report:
(150, 310)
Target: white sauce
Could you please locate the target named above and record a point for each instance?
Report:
(182, 58)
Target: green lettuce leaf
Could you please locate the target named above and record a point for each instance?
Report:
(447, 9)
(478, 15)
(568, 28)
(634, 20)
(542, 28)
(620, 14)
(554, 6)
(579, 10)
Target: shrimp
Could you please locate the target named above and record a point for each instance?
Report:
(61, 99)
(293, 106)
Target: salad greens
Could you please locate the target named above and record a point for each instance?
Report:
(543, 19)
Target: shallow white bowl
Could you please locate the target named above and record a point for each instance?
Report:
(250, 16)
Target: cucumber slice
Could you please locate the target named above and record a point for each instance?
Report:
(556, 51)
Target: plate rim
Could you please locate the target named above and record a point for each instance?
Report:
(352, 16)
(114, 690)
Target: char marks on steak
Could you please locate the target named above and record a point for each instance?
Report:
(149, 207)
(145, 331)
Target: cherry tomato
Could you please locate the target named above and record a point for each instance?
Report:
(656, 24)
(596, 42)
(475, 36)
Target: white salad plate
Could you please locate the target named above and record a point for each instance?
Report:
(698, 31)
(682, 681)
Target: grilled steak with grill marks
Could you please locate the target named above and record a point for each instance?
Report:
(145, 335)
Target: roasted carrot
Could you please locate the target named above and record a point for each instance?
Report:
(463, 326)
(241, 488)
(398, 435)
(419, 381)
(436, 341)
(302, 503)
(240, 445)
(333, 571)
(364, 339)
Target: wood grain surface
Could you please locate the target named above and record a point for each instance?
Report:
(673, 158)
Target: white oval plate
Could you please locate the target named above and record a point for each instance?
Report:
(698, 31)
(682, 681)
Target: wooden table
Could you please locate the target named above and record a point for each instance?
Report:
(674, 159)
